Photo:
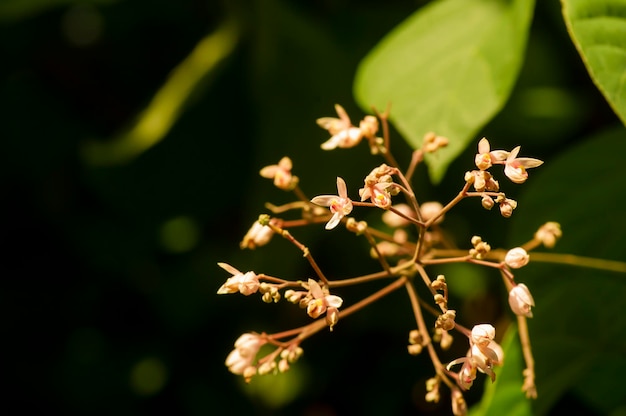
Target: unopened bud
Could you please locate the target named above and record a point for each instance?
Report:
(487, 202)
(414, 349)
(507, 206)
(549, 233)
(516, 257)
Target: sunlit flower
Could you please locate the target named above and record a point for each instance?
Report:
(258, 235)
(521, 301)
(333, 124)
(245, 283)
(344, 134)
(376, 189)
(240, 360)
(344, 139)
(321, 301)
(281, 174)
(515, 167)
(482, 334)
(485, 157)
(483, 354)
(467, 373)
(516, 257)
(340, 205)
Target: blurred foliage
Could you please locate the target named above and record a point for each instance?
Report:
(110, 272)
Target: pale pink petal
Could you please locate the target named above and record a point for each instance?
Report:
(315, 289)
(529, 162)
(269, 171)
(230, 269)
(334, 220)
(342, 189)
(324, 200)
(334, 301)
(483, 145)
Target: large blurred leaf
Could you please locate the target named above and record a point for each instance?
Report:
(448, 68)
(579, 329)
(598, 29)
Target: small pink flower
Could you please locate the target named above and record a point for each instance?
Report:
(485, 157)
(281, 174)
(516, 257)
(333, 124)
(340, 205)
(344, 139)
(242, 357)
(249, 344)
(344, 134)
(258, 235)
(521, 301)
(246, 284)
(377, 193)
(515, 167)
(321, 300)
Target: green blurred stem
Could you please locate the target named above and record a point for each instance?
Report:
(156, 120)
(443, 256)
(580, 261)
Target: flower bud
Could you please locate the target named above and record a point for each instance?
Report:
(521, 300)
(507, 206)
(414, 349)
(258, 235)
(459, 406)
(549, 233)
(483, 334)
(516, 257)
(487, 202)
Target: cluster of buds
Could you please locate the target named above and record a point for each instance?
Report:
(483, 182)
(401, 253)
(317, 301)
(243, 359)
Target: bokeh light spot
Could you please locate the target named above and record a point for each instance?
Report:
(148, 376)
(179, 234)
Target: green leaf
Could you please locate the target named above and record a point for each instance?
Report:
(598, 29)
(448, 68)
(578, 331)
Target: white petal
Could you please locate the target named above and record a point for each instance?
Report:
(342, 189)
(336, 218)
(529, 162)
(323, 200)
(230, 269)
(334, 301)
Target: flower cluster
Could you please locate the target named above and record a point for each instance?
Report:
(406, 243)
(484, 353)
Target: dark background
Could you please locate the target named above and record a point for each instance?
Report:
(109, 273)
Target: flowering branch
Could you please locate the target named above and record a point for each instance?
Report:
(407, 242)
